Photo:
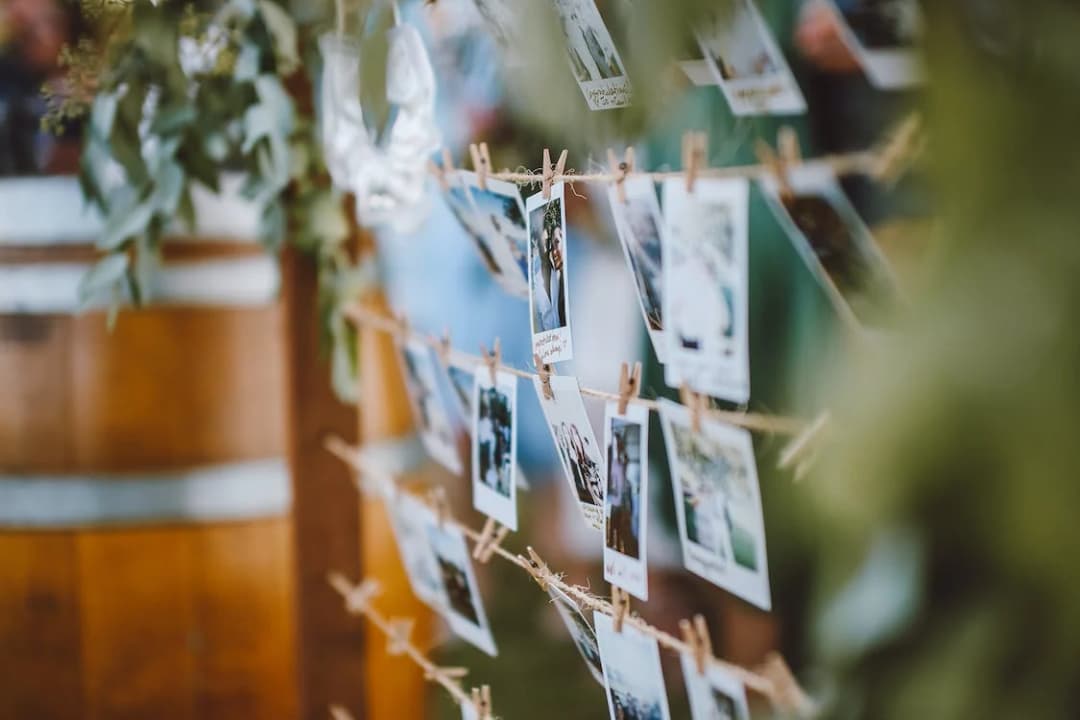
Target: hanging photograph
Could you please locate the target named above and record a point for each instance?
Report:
(461, 204)
(747, 63)
(501, 215)
(834, 242)
(884, 35)
(632, 673)
(409, 520)
(579, 454)
(626, 499)
(430, 411)
(717, 503)
(592, 55)
(549, 294)
(494, 447)
(463, 607)
(715, 694)
(639, 225)
(581, 631)
(706, 298)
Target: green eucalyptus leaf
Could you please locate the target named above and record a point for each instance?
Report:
(169, 186)
(103, 114)
(283, 31)
(106, 274)
(173, 120)
(273, 95)
(246, 67)
(125, 222)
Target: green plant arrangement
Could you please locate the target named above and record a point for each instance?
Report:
(180, 93)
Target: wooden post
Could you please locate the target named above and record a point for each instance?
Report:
(326, 518)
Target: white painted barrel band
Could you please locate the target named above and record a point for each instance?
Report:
(235, 491)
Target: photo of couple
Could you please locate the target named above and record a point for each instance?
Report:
(576, 454)
(639, 224)
(494, 448)
(430, 410)
(626, 437)
(463, 610)
(592, 55)
(548, 303)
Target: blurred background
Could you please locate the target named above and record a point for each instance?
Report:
(174, 269)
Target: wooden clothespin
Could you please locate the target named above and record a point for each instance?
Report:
(696, 635)
(543, 371)
(444, 349)
(452, 673)
(780, 161)
(788, 698)
(695, 403)
(490, 538)
(481, 700)
(629, 385)
(695, 151)
(398, 634)
(620, 606)
(537, 568)
(442, 173)
(439, 504)
(621, 170)
(358, 597)
(795, 451)
(550, 173)
(901, 149)
(481, 160)
(492, 359)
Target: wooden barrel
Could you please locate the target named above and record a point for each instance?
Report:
(145, 539)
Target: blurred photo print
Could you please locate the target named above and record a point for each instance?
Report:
(706, 298)
(632, 672)
(500, 210)
(409, 520)
(501, 21)
(463, 608)
(747, 63)
(715, 694)
(834, 242)
(639, 225)
(717, 503)
(884, 35)
(579, 453)
(593, 58)
(549, 302)
(581, 631)
(494, 447)
(626, 442)
(429, 408)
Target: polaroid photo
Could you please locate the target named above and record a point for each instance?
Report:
(409, 520)
(715, 694)
(580, 455)
(632, 673)
(494, 255)
(706, 297)
(717, 503)
(580, 629)
(640, 226)
(834, 242)
(549, 292)
(626, 498)
(494, 447)
(592, 55)
(747, 63)
(884, 35)
(463, 607)
(432, 417)
(501, 214)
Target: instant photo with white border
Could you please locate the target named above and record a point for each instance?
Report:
(580, 629)
(626, 498)
(501, 214)
(549, 287)
(717, 503)
(460, 201)
(409, 520)
(430, 411)
(633, 675)
(580, 455)
(494, 446)
(714, 694)
(640, 227)
(593, 58)
(706, 282)
(816, 182)
(463, 607)
(748, 65)
(894, 63)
